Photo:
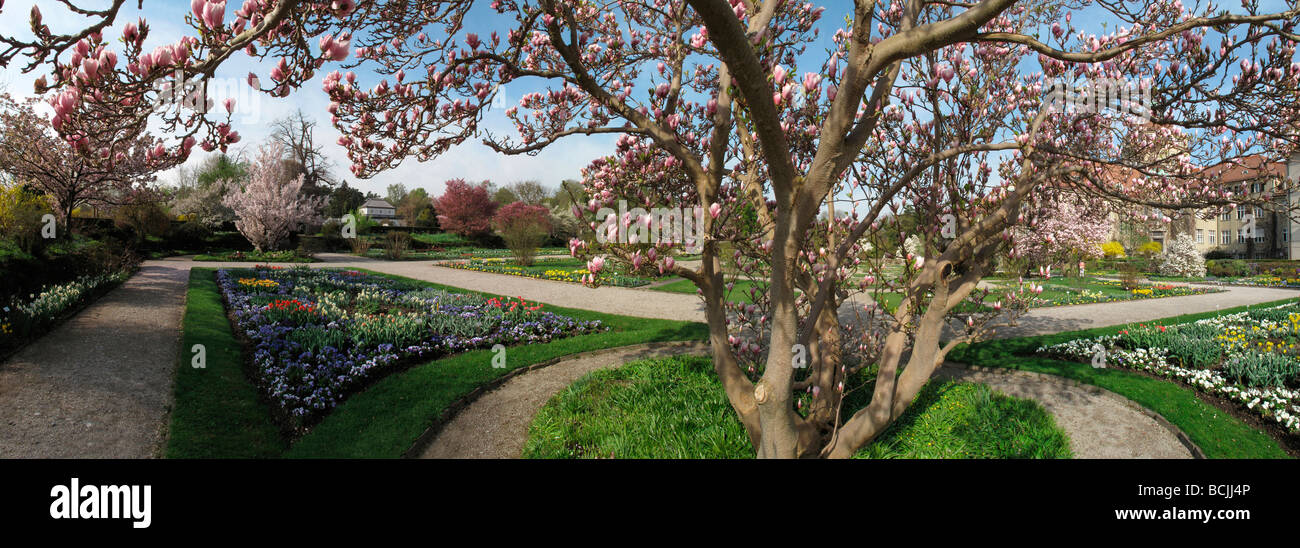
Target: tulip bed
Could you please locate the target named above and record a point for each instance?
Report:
(318, 335)
(1250, 358)
(563, 270)
(1064, 292)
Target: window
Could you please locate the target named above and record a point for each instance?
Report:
(1286, 232)
(1200, 236)
(1225, 237)
(1259, 236)
(1241, 236)
(1212, 237)
(1259, 212)
(1225, 216)
(1241, 213)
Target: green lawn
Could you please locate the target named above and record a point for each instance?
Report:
(675, 408)
(219, 413)
(1216, 432)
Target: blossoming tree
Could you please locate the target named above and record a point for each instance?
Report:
(104, 168)
(272, 204)
(465, 209)
(1065, 227)
(739, 109)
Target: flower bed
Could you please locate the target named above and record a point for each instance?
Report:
(318, 335)
(541, 272)
(1247, 357)
(30, 317)
(1260, 281)
(1109, 291)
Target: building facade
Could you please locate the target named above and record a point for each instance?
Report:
(1262, 230)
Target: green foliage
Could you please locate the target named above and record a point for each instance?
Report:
(1196, 353)
(221, 167)
(1263, 369)
(1230, 268)
(342, 200)
(145, 218)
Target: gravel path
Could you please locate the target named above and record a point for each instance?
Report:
(100, 385)
(1101, 424)
(1040, 321)
(495, 426)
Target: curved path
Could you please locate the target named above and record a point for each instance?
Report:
(1101, 424)
(100, 385)
(496, 424)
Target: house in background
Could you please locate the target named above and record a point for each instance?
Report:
(1226, 232)
(381, 211)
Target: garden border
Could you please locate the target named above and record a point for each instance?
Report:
(1091, 389)
(69, 313)
(426, 438)
(998, 352)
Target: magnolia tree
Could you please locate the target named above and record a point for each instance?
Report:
(740, 117)
(272, 204)
(1065, 228)
(1181, 258)
(107, 168)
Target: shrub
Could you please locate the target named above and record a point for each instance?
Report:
(523, 227)
(1112, 249)
(395, 244)
(20, 216)
(1128, 276)
(1149, 249)
(360, 246)
(1231, 268)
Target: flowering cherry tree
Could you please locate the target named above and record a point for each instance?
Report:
(739, 110)
(271, 205)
